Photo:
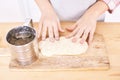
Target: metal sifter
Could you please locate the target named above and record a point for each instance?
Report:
(23, 43)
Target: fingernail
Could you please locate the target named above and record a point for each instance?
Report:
(43, 38)
(51, 39)
(74, 40)
(82, 41)
(66, 36)
(57, 38)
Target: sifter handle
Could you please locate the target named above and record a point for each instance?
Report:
(28, 22)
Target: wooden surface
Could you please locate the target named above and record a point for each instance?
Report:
(95, 58)
(111, 32)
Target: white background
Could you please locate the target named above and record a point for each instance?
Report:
(19, 10)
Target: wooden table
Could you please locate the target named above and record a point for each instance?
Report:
(111, 33)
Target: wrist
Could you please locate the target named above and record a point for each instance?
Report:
(45, 6)
(96, 10)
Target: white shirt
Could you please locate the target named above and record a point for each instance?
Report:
(71, 10)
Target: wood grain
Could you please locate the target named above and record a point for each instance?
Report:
(111, 34)
(96, 58)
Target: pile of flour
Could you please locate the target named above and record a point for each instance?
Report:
(62, 47)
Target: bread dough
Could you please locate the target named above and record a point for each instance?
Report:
(62, 47)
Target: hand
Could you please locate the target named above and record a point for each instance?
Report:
(49, 23)
(84, 28)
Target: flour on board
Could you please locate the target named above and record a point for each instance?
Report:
(62, 47)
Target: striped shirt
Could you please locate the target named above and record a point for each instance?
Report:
(112, 4)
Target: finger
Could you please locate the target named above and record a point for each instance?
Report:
(50, 33)
(84, 37)
(39, 29)
(73, 33)
(59, 27)
(56, 32)
(71, 28)
(78, 35)
(74, 39)
(44, 32)
(91, 37)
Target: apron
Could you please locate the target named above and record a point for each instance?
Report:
(72, 10)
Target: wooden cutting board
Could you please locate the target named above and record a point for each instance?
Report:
(96, 58)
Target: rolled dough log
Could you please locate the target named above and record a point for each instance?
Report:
(62, 47)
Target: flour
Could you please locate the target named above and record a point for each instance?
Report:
(62, 47)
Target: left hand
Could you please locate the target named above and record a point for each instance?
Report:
(84, 28)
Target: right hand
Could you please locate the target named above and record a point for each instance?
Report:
(49, 24)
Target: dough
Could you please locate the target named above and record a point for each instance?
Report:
(62, 47)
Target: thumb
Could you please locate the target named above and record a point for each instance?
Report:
(60, 28)
(71, 28)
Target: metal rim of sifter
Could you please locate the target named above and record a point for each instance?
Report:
(18, 32)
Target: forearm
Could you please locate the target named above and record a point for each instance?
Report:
(97, 9)
(44, 6)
